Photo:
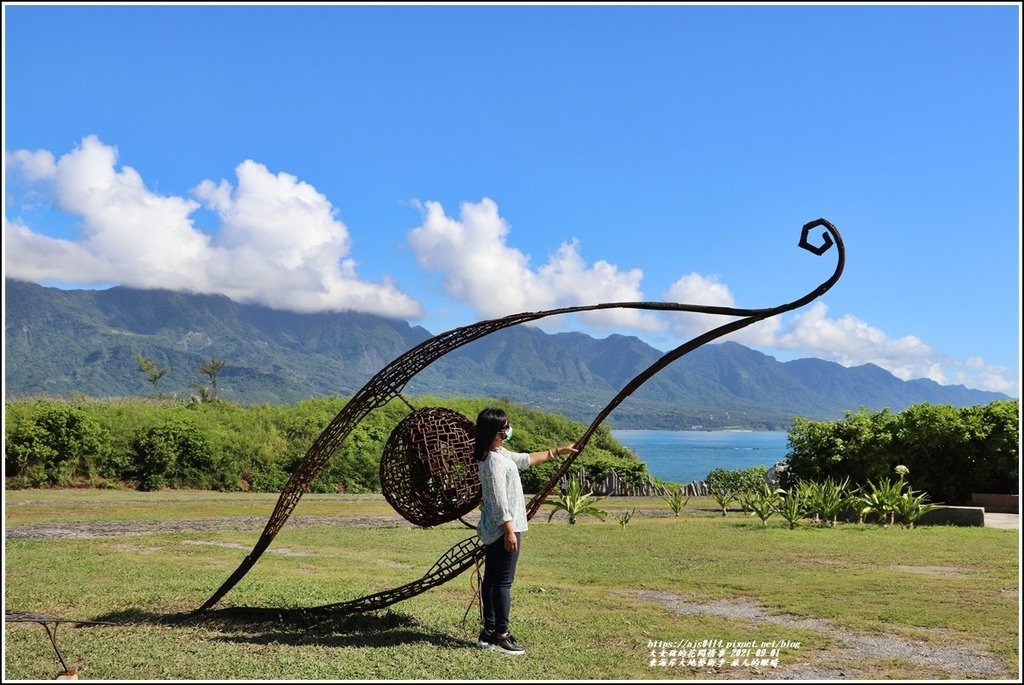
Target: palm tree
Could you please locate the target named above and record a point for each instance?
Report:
(212, 369)
(149, 368)
(576, 503)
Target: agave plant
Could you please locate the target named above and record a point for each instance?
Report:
(793, 506)
(723, 497)
(624, 517)
(676, 499)
(881, 499)
(761, 503)
(911, 506)
(826, 499)
(576, 503)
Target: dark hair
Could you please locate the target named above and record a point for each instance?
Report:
(488, 424)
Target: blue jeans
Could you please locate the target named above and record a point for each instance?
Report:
(495, 590)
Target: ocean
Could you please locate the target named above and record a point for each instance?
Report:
(686, 456)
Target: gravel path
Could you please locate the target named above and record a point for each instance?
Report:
(839, 663)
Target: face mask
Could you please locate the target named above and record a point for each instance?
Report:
(508, 433)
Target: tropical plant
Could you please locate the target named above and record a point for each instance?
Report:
(574, 502)
(881, 499)
(624, 517)
(723, 496)
(762, 503)
(826, 499)
(911, 506)
(676, 499)
(212, 369)
(153, 374)
(793, 505)
(952, 451)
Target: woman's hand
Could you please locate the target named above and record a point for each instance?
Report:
(511, 542)
(551, 453)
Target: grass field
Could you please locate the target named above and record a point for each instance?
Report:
(591, 601)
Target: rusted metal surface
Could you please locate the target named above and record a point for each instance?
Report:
(427, 471)
(419, 482)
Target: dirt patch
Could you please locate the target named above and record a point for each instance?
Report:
(840, 662)
(944, 571)
(234, 545)
(102, 529)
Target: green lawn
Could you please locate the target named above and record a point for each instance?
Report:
(589, 600)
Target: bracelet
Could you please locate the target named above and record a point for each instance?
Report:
(550, 455)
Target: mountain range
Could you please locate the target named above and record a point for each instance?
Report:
(68, 342)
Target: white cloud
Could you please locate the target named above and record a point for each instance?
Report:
(853, 342)
(281, 243)
(697, 289)
(281, 238)
(143, 239)
(483, 271)
(34, 257)
(34, 166)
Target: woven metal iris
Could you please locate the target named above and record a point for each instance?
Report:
(427, 471)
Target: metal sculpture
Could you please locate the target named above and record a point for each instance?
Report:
(427, 472)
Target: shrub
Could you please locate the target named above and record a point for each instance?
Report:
(54, 446)
(952, 451)
(175, 454)
(736, 480)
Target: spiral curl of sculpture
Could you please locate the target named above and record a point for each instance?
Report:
(427, 470)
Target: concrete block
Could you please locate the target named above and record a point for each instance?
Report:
(1000, 504)
(956, 516)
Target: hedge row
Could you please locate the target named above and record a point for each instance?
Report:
(951, 452)
(151, 443)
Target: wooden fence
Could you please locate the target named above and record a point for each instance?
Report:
(615, 486)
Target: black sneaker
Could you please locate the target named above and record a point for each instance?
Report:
(486, 640)
(506, 643)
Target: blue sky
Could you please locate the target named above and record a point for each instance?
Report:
(447, 164)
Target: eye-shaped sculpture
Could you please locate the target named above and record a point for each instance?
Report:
(427, 472)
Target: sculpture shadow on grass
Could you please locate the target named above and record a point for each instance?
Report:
(296, 627)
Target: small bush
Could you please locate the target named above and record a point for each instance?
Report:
(175, 454)
(54, 446)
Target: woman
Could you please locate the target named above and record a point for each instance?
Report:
(502, 519)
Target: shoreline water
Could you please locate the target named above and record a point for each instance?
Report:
(687, 456)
